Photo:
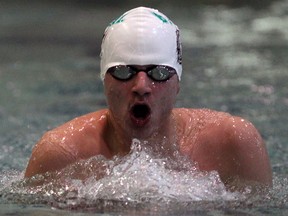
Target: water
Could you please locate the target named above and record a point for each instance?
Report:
(235, 60)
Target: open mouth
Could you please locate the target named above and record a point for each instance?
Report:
(140, 114)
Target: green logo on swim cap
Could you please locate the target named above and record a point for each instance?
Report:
(163, 19)
(119, 20)
(159, 16)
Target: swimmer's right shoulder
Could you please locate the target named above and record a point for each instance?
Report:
(93, 116)
(80, 138)
(90, 119)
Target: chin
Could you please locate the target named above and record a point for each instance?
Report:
(142, 134)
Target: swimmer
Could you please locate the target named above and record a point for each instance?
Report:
(141, 67)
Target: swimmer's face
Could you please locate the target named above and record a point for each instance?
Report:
(140, 106)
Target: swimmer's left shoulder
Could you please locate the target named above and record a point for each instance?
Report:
(228, 122)
(241, 127)
(207, 114)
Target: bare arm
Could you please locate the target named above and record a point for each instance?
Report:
(48, 155)
(236, 150)
(78, 139)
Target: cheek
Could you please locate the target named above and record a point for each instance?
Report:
(113, 96)
(116, 95)
(167, 98)
(168, 102)
(111, 90)
(170, 93)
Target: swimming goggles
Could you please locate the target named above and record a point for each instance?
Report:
(157, 73)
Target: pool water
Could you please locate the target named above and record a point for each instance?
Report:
(235, 60)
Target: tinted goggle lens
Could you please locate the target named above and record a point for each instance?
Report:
(157, 73)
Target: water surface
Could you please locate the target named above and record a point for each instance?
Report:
(235, 60)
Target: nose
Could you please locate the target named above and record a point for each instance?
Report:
(142, 84)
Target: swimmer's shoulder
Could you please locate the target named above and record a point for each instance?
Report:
(85, 133)
(91, 120)
(191, 123)
(80, 138)
(229, 144)
(93, 117)
(200, 116)
(202, 119)
(218, 129)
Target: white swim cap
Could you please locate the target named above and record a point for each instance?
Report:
(141, 36)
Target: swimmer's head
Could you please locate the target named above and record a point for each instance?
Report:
(141, 36)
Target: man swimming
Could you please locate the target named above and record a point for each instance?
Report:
(141, 67)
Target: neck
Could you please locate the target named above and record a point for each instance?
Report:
(163, 139)
(118, 141)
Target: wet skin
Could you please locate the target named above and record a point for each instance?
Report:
(142, 108)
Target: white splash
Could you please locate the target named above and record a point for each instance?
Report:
(142, 176)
